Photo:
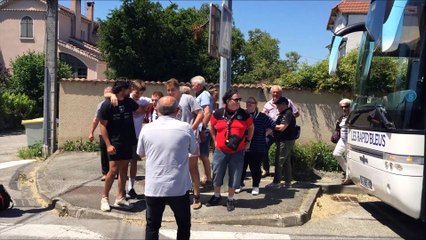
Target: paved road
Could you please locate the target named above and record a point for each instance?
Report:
(10, 143)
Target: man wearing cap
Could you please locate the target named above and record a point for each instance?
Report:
(272, 111)
(285, 135)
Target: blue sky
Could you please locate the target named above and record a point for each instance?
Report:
(299, 25)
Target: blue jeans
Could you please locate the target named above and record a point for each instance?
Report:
(233, 161)
(154, 213)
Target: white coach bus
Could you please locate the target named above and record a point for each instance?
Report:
(386, 144)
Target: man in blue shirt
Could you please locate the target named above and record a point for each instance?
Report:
(205, 100)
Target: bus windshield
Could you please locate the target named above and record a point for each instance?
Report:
(388, 92)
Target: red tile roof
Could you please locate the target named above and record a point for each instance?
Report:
(348, 7)
(353, 6)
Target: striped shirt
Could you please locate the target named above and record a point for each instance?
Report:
(261, 123)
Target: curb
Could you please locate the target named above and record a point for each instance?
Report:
(63, 207)
(308, 205)
(273, 220)
(296, 218)
(338, 188)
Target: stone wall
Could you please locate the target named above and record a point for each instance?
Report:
(78, 100)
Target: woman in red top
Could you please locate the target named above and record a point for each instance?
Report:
(231, 130)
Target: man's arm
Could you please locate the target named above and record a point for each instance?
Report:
(207, 115)
(281, 127)
(141, 109)
(296, 114)
(140, 149)
(250, 132)
(95, 123)
(105, 137)
(193, 144)
(113, 98)
(213, 134)
(294, 108)
(198, 119)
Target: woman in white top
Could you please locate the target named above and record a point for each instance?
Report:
(340, 149)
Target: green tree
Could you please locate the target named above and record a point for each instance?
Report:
(292, 61)
(142, 40)
(383, 75)
(28, 77)
(261, 58)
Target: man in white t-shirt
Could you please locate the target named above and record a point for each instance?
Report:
(138, 88)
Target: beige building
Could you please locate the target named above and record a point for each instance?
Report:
(22, 29)
(344, 14)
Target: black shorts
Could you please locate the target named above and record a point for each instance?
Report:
(122, 152)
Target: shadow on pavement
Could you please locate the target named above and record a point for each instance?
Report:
(403, 225)
(272, 197)
(16, 212)
(12, 132)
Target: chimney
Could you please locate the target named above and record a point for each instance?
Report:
(90, 10)
(90, 13)
(76, 8)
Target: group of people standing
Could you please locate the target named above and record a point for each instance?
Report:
(178, 130)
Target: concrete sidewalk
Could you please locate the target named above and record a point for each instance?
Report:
(72, 181)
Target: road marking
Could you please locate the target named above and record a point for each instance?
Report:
(171, 234)
(15, 163)
(46, 231)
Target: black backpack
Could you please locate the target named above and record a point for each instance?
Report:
(5, 200)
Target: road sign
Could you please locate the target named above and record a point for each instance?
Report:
(225, 32)
(214, 31)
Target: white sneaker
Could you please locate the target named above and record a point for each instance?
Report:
(237, 190)
(255, 191)
(105, 205)
(122, 203)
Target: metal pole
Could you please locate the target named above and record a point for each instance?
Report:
(50, 82)
(225, 83)
(225, 65)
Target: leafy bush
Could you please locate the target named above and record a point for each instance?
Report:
(14, 107)
(80, 146)
(307, 157)
(31, 152)
(28, 77)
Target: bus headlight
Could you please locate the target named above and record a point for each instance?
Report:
(404, 158)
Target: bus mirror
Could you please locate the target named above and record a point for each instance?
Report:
(334, 55)
(392, 28)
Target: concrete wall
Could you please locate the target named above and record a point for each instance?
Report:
(78, 100)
